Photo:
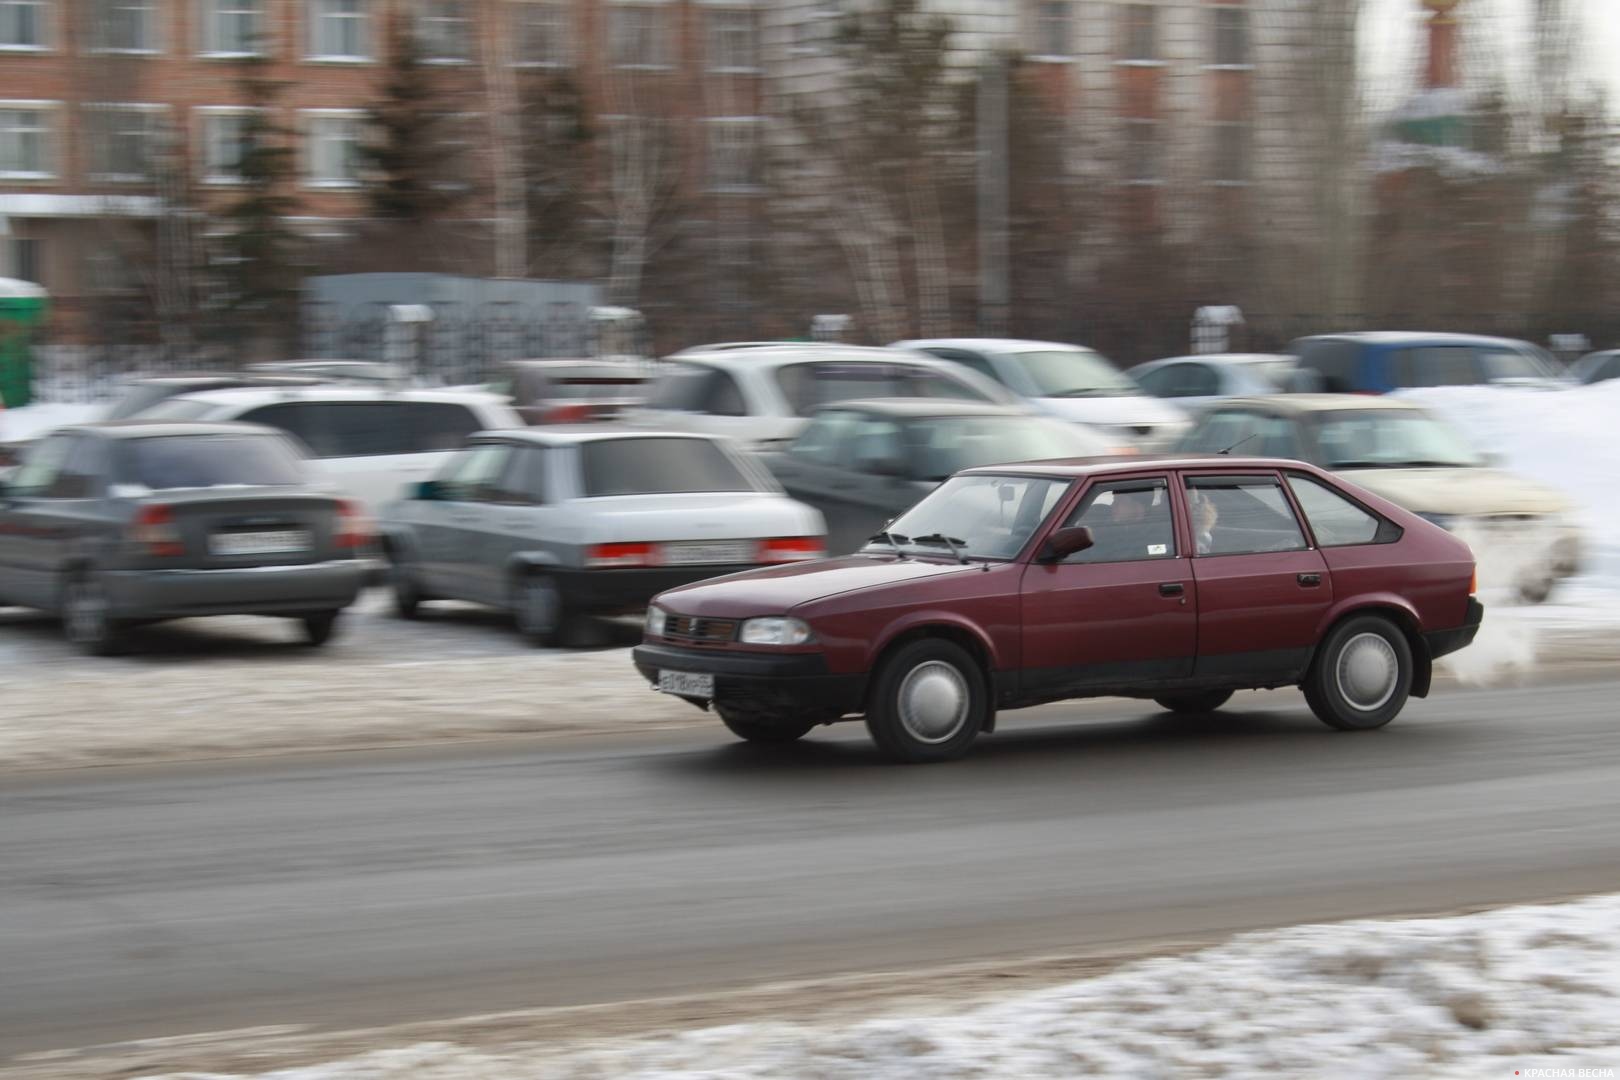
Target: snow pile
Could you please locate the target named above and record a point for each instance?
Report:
(1467, 996)
(42, 417)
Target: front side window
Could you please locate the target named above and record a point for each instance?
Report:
(40, 467)
(232, 27)
(202, 461)
(1074, 373)
(658, 466)
(639, 36)
(1129, 521)
(1334, 519)
(541, 33)
(1241, 515)
(25, 142)
(823, 440)
(471, 475)
(1231, 36)
(1054, 28)
(332, 149)
(986, 516)
(22, 24)
(875, 447)
(124, 26)
(443, 28)
(123, 142)
(339, 29)
(731, 40)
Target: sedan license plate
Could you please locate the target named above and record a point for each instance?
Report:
(277, 542)
(703, 553)
(686, 684)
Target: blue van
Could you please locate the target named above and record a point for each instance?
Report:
(1378, 362)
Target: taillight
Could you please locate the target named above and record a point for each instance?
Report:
(155, 529)
(1473, 582)
(569, 414)
(354, 531)
(606, 556)
(786, 549)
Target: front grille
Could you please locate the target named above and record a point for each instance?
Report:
(700, 631)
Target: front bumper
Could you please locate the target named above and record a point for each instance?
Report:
(248, 590)
(792, 683)
(1442, 642)
(611, 592)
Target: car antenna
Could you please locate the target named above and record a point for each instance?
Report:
(1239, 443)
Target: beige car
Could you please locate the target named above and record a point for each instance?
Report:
(1521, 530)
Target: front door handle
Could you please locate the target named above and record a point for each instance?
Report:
(1172, 588)
(1308, 581)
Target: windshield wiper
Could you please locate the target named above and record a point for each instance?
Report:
(894, 540)
(956, 545)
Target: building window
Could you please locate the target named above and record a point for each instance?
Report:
(732, 40)
(339, 30)
(812, 31)
(225, 142)
(26, 260)
(1139, 39)
(1231, 36)
(1142, 152)
(1054, 28)
(25, 141)
(1231, 153)
(332, 148)
(639, 36)
(124, 140)
(540, 32)
(22, 24)
(734, 154)
(444, 30)
(232, 27)
(124, 26)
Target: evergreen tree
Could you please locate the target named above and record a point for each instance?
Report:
(405, 159)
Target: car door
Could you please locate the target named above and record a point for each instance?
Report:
(1262, 590)
(812, 471)
(467, 508)
(1122, 613)
(23, 512)
(63, 518)
(520, 516)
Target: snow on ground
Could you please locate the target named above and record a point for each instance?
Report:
(1482, 995)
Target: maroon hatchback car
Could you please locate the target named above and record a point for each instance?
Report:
(1179, 580)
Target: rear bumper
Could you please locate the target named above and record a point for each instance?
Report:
(614, 591)
(252, 590)
(1442, 642)
(790, 683)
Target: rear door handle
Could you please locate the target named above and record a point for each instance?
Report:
(1308, 581)
(1172, 588)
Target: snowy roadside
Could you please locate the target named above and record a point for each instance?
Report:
(1478, 995)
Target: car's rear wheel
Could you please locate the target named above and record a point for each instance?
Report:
(402, 582)
(319, 627)
(538, 609)
(1361, 676)
(1205, 702)
(87, 617)
(1536, 590)
(929, 702)
(761, 727)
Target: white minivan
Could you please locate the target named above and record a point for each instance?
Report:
(371, 443)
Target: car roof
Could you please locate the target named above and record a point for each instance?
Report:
(988, 344)
(1414, 337)
(325, 391)
(1240, 359)
(1072, 468)
(618, 369)
(147, 429)
(916, 407)
(1313, 403)
(576, 434)
(774, 354)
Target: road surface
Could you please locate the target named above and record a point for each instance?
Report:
(358, 889)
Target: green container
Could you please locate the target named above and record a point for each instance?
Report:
(22, 313)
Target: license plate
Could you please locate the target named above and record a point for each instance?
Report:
(278, 542)
(686, 683)
(695, 554)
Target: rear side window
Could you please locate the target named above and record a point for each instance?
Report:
(1334, 519)
(682, 388)
(340, 429)
(807, 386)
(1241, 515)
(1434, 365)
(658, 466)
(202, 461)
(1333, 360)
(83, 474)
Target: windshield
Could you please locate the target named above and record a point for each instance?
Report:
(201, 461)
(988, 517)
(1372, 439)
(947, 444)
(1074, 373)
(659, 466)
(808, 386)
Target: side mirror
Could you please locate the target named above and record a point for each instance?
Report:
(1065, 542)
(427, 490)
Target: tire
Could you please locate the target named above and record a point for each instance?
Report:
(1537, 590)
(402, 583)
(318, 627)
(928, 702)
(1205, 701)
(538, 610)
(762, 727)
(1361, 675)
(85, 621)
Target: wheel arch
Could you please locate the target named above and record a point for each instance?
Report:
(972, 640)
(523, 563)
(1404, 620)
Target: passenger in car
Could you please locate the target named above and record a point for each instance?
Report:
(1204, 517)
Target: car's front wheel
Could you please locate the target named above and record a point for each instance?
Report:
(318, 627)
(402, 582)
(1362, 675)
(1206, 702)
(761, 727)
(928, 703)
(87, 617)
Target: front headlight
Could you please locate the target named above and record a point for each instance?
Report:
(656, 618)
(775, 631)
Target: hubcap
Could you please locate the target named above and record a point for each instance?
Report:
(86, 612)
(1368, 671)
(539, 607)
(933, 701)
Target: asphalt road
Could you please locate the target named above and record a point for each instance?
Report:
(358, 889)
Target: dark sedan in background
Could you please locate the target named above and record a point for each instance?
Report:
(115, 524)
(863, 463)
